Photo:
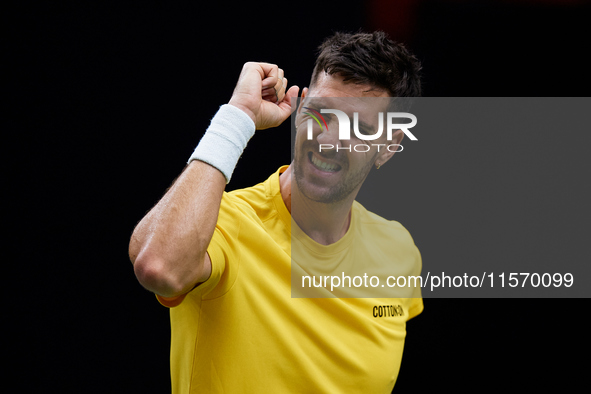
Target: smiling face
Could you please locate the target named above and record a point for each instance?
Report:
(337, 171)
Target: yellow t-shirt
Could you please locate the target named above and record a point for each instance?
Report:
(242, 332)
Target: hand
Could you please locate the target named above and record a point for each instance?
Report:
(261, 94)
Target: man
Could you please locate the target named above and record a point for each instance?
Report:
(222, 262)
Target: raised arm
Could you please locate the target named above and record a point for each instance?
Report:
(168, 248)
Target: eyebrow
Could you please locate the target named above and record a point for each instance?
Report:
(317, 103)
(314, 102)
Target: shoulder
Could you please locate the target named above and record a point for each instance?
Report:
(251, 201)
(379, 226)
(259, 200)
(251, 196)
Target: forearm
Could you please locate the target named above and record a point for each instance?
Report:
(169, 251)
(168, 246)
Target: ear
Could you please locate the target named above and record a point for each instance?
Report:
(387, 154)
(304, 93)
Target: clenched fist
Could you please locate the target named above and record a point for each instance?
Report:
(261, 92)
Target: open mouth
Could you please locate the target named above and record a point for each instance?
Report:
(322, 165)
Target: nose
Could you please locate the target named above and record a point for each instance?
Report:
(329, 136)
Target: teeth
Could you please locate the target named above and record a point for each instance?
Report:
(324, 166)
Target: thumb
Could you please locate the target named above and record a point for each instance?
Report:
(287, 105)
(275, 114)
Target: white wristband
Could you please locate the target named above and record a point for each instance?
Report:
(225, 139)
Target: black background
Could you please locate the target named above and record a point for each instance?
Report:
(106, 101)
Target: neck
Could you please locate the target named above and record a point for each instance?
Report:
(324, 223)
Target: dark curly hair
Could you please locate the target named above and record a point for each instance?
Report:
(370, 58)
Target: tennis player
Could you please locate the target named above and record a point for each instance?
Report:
(222, 262)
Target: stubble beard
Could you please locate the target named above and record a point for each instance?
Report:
(332, 195)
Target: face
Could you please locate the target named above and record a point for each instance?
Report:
(329, 170)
